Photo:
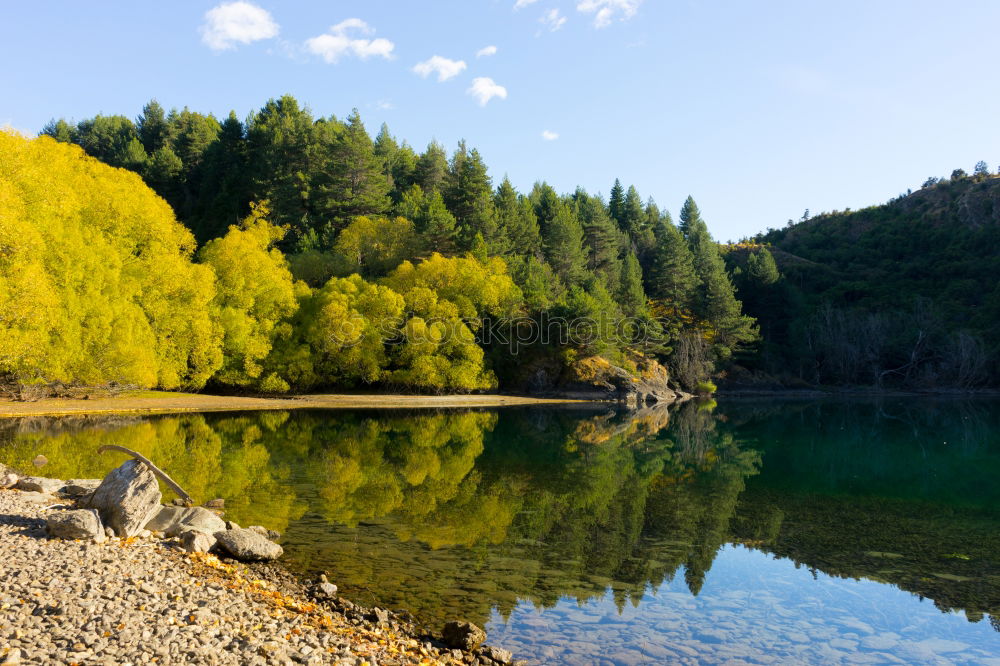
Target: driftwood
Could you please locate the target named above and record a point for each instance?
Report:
(156, 470)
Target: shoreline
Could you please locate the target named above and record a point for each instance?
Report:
(165, 402)
(159, 604)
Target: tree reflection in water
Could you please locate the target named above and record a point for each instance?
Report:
(459, 512)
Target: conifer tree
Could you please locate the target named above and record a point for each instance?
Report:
(564, 247)
(715, 301)
(672, 277)
(631, 296)
(432, 168)
(281, 151)
(603, 240)
(354, 183)
(516, 221)
(616, 203)
(154, 132)
(633, 215)
(469, 196)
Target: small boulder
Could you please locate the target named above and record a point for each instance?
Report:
(9, 480)
(264, 532)
(39, 484)
(80, 487)
(328, 590)
(195, 541)
(173, 520)
(215, 504)
(40, 461)
(127, 498)
(76, 524)
(247, 545)
(498, 655)
(463, 635)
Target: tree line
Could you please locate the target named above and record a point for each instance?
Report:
(305, 242)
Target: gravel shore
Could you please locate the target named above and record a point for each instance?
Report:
(142, 600)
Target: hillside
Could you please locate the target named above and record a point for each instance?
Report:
(901, 294)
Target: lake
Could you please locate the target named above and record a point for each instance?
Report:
(752, 531)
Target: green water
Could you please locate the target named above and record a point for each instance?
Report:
(757, 531)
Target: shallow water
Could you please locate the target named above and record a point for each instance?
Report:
(757, 531)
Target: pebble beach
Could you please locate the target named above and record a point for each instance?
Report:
(144, 600)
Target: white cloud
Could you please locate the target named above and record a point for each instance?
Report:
(521, 4)
(552, 19)
(549, 135)
(484, 89)
(486, 51)
(605, 11)
(235, 23)
(336, 43)
(443, 67)
(384, 105)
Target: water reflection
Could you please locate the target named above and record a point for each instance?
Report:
(477, 513)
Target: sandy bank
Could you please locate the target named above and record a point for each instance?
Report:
(151, 402)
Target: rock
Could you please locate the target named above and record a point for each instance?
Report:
(127, 498)
(195, 541)
(76, 524)
(80, 487)
(247, 545)
(40, 461)
(108, 532)
(13, 656)
(39, 484)
(173, 520)
(328, 590)
(230, 525)
(9, 480)
(463, 635)
(264, 532)
(177, 501)
(215, 504)
(379, 615)
(498, 655)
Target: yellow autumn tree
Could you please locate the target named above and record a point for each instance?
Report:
(96, 278)
(255, 297)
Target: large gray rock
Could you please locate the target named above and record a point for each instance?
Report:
(39, 484)
(75, 524)
(247, 546)
(463, 635)
(172, 520)
(127, 498)
(80, 487)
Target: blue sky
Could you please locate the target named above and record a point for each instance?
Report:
(757, 109)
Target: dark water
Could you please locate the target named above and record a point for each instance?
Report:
(751, 532)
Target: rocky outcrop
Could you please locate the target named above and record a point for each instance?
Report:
(596, 378)
(75, 524)
(127, 498)
(247, 545)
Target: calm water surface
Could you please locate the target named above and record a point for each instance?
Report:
(749, 532)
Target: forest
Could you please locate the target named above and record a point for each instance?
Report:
(286, 252)
(903, 294)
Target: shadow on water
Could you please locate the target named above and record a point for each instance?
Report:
(466, 513)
